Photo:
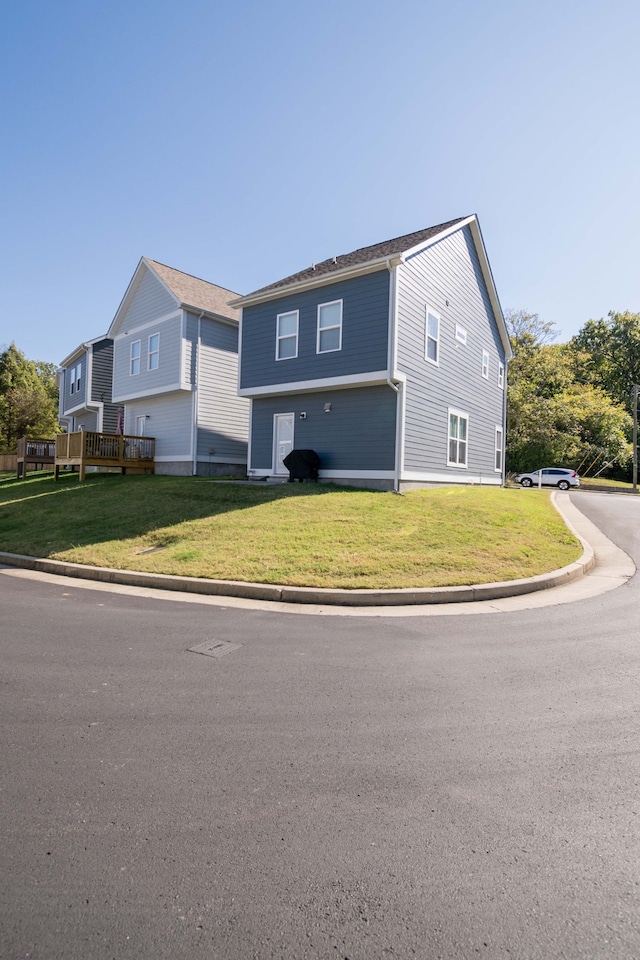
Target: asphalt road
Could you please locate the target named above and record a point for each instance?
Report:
(361, 788)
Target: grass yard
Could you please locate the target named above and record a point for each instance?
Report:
(297, 534)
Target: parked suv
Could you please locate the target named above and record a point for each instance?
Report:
(551, 477)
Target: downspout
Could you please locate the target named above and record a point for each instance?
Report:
(391, 355)
(194, 438)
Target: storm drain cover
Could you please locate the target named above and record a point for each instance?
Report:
(215, 648)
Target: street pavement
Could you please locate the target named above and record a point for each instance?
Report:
(318, 785)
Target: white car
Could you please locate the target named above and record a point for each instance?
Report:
(551, 477)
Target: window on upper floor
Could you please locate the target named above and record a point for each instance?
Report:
(329, 327)
(485, 364)
(72, 380)
(78, 376)
(458, 438)
(134, 358)
(287, 335)
(461, 334)
(432, 336)
(154, 351)
(501, 375)
(499, 444)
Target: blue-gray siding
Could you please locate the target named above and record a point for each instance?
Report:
(69, 400)
(447, 278)
(223, 416)
(364, 334)
(358, 434)
(149, 301)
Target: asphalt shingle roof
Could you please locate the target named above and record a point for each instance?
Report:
(193, 292)
(388, 248)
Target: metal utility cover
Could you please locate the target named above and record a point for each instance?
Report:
(215, 648)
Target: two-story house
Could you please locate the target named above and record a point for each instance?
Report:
(84, 384)
(175, 370)
(389, 362)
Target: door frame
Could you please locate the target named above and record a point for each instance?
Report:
(276, 418)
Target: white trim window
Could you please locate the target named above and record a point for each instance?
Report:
(501, 375)
(153, 361)
(134, 357)
(329, 336)
(499, 450)
(72, 380)
(287, 335)
(461, 334)
(458, 438)
(485, 364)
(432, 336)
(78, 376)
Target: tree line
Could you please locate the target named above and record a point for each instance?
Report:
(28, 399)
(571, 404)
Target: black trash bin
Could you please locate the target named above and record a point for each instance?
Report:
(302, 465)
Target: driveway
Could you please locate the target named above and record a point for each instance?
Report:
(348, 787)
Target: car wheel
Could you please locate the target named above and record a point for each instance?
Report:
(563, 484)
(526, 482)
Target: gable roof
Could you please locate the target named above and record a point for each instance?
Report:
(363, 257)
(191, 291)
(188, 291)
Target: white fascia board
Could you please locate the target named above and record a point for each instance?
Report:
(491, 287)
(129, 292)
(373, 379)
(83, 348)
(372, 266)
(437, 238)
(87, 407)
(432, 476)
(172, 388)
(209, 315)
(174, 315)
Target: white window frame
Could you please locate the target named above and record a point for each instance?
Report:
(428, 338)
(287, 336)
(132, 359)
(153, 353)
(499, 450)
(78, 376)
(460, 415)
(72, 380)
(334, 326)
(501, 375)
(485, 364)
(461, 334)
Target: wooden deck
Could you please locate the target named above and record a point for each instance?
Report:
(88, 449)
(39, 453)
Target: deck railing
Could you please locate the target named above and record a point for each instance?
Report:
(86, 448)
(38, 452)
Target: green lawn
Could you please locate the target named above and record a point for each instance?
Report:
(297, 534)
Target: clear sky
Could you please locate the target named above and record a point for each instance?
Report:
(243, 141)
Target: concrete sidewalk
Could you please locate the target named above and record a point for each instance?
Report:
(602, 567)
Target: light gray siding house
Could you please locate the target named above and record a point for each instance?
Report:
(84, 383)
(389, 362)
(175, 371)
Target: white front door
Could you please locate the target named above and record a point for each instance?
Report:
(282, 441)
(140, 426)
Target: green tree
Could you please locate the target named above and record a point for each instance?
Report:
(610, 354)
(553, 417)
(28, 399)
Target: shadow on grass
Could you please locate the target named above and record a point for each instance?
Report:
(41, 517)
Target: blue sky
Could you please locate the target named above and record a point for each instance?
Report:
(242, 142)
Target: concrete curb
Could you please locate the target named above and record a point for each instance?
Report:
(317, 595)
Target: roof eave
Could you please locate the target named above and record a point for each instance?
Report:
(371, 266)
